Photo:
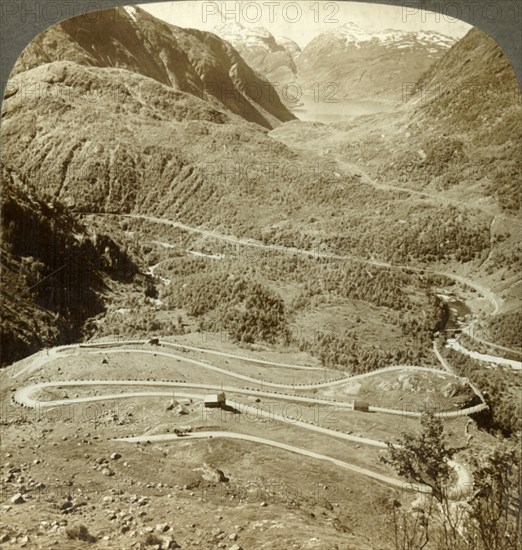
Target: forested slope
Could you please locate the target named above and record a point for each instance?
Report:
(53, 272)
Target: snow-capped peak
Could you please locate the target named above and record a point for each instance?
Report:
(353, 32)
(354, 35)
(232, 28)
(254, 37)
(235, 33)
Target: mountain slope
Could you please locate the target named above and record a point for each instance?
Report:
(169, 152)
(472, 89)
(164, 150)
(459, 134)
(53, 272)
(473, 93)
(187, 60)
(270, 56)
(369, 65)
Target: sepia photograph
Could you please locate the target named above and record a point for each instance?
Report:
(261, 277)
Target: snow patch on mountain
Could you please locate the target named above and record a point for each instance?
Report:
(351, 32)
(255, 38)
(355, 36)
(289, 45)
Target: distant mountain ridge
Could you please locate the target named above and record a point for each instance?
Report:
(370, 64)
(353, 34)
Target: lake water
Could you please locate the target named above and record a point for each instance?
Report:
(320, 111)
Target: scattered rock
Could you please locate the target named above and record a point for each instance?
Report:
(212, 474)
(171, 404)
(170, 544)
(66, 505)
(17, 499)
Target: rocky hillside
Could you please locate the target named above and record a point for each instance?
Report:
(472, 89)
(272, 57)
(53, 272)
(186, 60)
(369, 65)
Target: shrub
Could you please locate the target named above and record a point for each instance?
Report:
(79, 532)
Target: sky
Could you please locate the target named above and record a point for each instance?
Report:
(302, 21)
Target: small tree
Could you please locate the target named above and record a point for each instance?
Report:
(494, 521)
(490, 519)
(423, 458)
(410, 531)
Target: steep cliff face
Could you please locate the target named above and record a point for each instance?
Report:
(473, 92)
(187, 60)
